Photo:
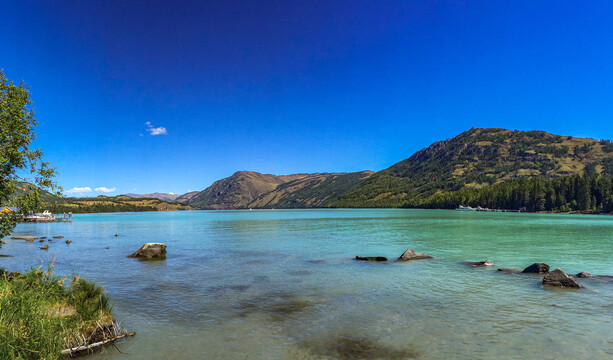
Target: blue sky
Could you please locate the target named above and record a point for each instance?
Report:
(172, 95)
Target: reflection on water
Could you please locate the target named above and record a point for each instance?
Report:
(284, 285)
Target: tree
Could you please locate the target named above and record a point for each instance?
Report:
(23, 173)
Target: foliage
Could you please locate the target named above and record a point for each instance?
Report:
(103, 204)
(31, 328)
(581, 193)
(22, 170)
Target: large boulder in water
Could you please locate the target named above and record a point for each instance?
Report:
(153, 251)
(410, 254)
(371, 258)
(537, 268)
(559, 278)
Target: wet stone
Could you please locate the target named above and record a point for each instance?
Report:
(480, 263)
(410, 254)
(559, 278)
(371, 258)
(537, 268)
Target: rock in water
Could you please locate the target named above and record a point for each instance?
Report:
(68, 242)
(371, 258)
(410, 254)
(510, 271)
(537, 268)
(560, 279)
(584, 274)
(26, 238)
(154, 251)
(481, 263)
(58, 237)
(45, 247)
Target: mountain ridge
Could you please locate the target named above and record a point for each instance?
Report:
(478, 158)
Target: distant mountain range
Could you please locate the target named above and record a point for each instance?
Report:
(157, 195)
(475, 159)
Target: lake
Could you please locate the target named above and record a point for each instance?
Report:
(282, 284)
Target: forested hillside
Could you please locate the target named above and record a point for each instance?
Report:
(478, 158)
(579, 193)
(103, 203)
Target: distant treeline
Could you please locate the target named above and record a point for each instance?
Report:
(581, 193)
(96, 208)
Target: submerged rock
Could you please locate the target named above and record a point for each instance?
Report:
(537, 268)
(41, 240)
(510, 271)
(371, 258)
(45, 247)
(154, 251)
(559, 278)
(584, 274)
(26, 238)
(410, 254)
(58, 237)
(4, 255)
(481, 263)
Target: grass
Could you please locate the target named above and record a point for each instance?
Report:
(41, 314)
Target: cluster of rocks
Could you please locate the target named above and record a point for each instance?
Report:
(149, 251)
(555, 278)
(408, 255)
(41, 239)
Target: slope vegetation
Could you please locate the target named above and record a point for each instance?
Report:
(238, 190)
(478, 158)
(312, 191)
(103, 203)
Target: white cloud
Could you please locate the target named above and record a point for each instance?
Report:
(105, 189)
(171, 193)
(79, 190)
(155, 130)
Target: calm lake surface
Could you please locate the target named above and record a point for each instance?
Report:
(243, 284)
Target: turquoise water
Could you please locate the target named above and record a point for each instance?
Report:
(243, 284)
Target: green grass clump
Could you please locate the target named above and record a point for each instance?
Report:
(40, 315)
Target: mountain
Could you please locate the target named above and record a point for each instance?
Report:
(102, 203)
(248, 189)
(311, 191)
(477, 158)
(184, 199)
(157, 195)
(238, 190)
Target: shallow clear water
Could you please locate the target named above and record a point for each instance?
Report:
(242, 284)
